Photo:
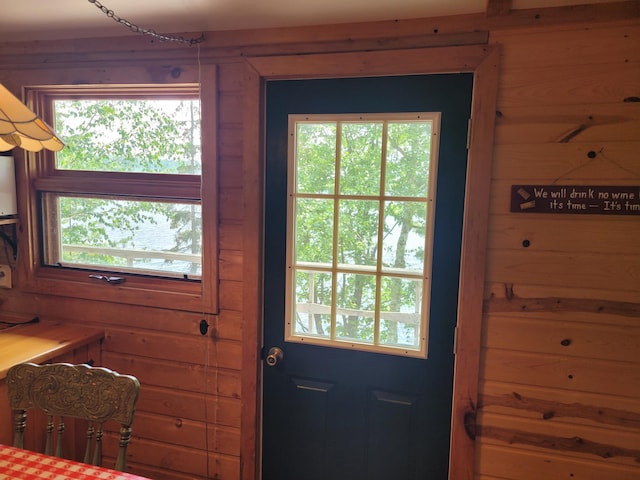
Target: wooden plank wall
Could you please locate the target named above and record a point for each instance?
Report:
(560, 372)
(190, 397)
(188, 419)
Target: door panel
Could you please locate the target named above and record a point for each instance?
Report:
(338, 414)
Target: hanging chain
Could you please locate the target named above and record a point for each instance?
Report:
(135, 28)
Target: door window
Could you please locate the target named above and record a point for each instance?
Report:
(361, 192)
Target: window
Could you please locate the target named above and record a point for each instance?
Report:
(122, 204)
(360, 221)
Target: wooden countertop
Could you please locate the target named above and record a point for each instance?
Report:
(42, 341)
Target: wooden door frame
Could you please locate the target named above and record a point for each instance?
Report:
(483, 62)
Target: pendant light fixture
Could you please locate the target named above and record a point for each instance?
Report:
(21, 127)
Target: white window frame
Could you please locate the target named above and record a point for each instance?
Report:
(333, 269)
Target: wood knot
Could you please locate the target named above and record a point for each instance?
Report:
(567, 137)
(508, 291)
(469, 422)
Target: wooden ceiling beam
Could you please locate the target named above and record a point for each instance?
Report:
(438, 31)
(498, 7)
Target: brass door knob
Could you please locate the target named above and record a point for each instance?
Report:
(274, 356)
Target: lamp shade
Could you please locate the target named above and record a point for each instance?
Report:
(21, 127)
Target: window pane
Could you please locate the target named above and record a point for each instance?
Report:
(369, 229)
(314, 230)
(404, 231)
(122, 135)
(355, 307)
(315, 157)
(400, 308)
(408, 155)
(358, 232)
(361, 152)
(124, 235)
(313, 304)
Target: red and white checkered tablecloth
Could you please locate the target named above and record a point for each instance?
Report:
(18, 464)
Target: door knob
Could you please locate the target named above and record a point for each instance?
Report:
(274, 356)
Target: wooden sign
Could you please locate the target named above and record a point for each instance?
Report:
(576, 199)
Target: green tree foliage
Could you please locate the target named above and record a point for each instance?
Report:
(144, 136)
(366, 168)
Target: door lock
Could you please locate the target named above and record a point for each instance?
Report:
(274, 356)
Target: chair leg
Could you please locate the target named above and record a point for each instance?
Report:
(97, 453)
(48, 448)
(60, 436)
(87, 452)
(125, 439)
(20, 422)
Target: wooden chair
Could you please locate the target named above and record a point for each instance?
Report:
(61, 390)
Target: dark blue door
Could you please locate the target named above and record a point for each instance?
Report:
(336, 414)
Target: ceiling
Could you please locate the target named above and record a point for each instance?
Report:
(27, 20)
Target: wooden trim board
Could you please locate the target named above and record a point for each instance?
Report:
(483, 62)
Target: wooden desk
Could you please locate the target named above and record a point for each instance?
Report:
(42, 343)
(18, 464)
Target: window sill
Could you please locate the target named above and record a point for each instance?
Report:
(172, 294)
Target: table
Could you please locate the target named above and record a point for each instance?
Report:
(42, 342)
(18, 464)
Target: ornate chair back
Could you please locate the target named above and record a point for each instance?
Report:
(60, 390)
